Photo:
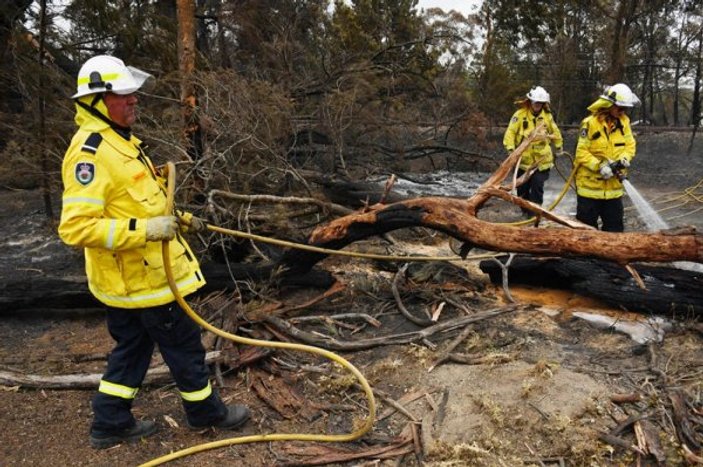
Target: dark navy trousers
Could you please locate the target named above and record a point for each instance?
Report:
(533, 189)
(610, 211)
(136, 331)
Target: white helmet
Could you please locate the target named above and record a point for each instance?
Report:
(538, 94)
(621, 95)
(104, 73)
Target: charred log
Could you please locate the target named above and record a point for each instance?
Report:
(668, 290)
(42, 292)
(350, 192)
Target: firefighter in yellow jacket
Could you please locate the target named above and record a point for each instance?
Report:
(113, 207)
(532, 111)
(605, 149)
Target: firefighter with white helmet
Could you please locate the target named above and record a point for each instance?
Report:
(533, 110)
(108, 74)
(606, 147)
(621, 95)
(113, 207)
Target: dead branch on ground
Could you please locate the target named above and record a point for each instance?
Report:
(331, 343)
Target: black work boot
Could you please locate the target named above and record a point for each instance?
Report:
(104, 440)
(237, 415)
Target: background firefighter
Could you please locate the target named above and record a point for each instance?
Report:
(605, 142)
(533, 110)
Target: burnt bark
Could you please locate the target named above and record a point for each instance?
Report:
(55, 293)
(352, 193)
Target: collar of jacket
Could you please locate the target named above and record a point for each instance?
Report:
(92, 114)
(125, 143)
(128, 147)
(527, 113)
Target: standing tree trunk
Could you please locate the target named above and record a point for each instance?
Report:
(10, 11)
(46, 193)
(11, 101)
(696, 103)
(186, 64)
(621, 35)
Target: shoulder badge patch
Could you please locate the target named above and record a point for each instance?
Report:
(584, 132)
(513, 120)
(85, 172)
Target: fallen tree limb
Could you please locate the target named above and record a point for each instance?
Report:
(399, 302)
(489, 359)
(270, 199)
(316, 454)
(619, 442)
(453, 217)
(452, 345)
(155, 376)
(330, 343)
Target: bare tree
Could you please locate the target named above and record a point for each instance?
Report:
(186, 64)
(696, 104)
(41, 114)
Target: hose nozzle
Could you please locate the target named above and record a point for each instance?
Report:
(618, 169)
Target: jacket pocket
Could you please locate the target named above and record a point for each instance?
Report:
(132, 267)
(148, 195)
(103, 271)
(156, 274)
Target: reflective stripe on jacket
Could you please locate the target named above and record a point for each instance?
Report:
(598, 144)
(110, 190)
(521, 125)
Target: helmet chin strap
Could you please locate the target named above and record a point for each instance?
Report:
(122, 130)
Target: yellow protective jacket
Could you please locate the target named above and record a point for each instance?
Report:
(111, 188)
(599, 143)
(521, 125)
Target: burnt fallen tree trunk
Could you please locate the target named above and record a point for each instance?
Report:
(668, 290)
(41, 292)
(352, 193)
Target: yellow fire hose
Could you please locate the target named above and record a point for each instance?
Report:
(368, 423)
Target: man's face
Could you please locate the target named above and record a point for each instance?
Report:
(122, 108)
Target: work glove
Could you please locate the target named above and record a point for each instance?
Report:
(606, 172)
(161, 228)
(624, 162)
(190, 223)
